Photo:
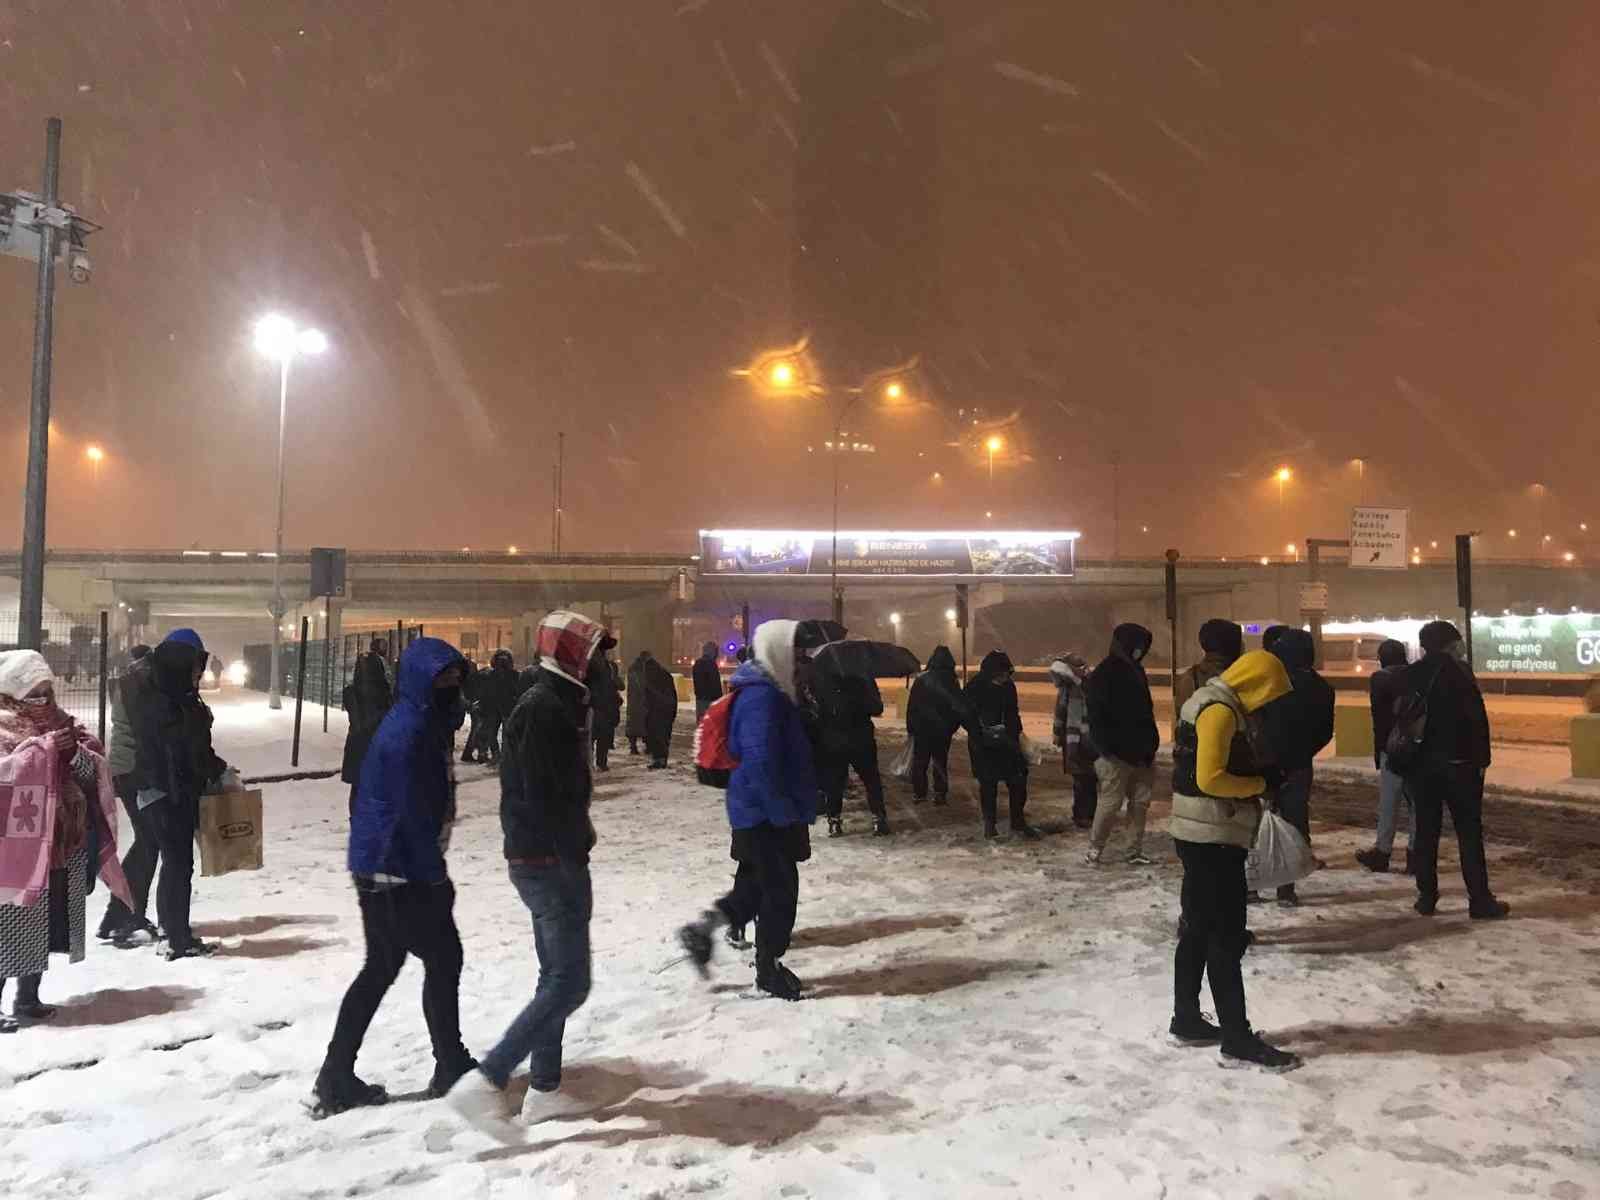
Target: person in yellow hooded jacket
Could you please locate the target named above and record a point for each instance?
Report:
(1217, 802)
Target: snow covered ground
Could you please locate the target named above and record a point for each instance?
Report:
(986, 1021)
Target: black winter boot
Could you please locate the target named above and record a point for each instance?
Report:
(777, 980)
(337, 1092)
(28, 1006)
(1374, 860)
(447, 1074)
(1195, 1030)
(1249, 1050)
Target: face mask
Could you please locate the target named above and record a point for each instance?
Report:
(1138, 655)
(447, 700)
(36, 701)
(1458, 651)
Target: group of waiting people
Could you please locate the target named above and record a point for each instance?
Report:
(60, 819)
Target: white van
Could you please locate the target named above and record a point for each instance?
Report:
(1350, 653)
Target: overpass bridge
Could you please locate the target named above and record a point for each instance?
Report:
(647, 593)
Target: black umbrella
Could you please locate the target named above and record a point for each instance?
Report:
(867, 660)
(811, 634)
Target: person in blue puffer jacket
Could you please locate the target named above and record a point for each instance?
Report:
(772, 803)
(399, 831)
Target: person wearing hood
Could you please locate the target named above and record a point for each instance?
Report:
(1386, 685)
(1450, 770)
(498, 691)
(1217, 800)
(660, 712)
(707, 680)
(848, 740)
(1296, 728)
(1070, 673)
(176, 764)
(367, 699)
(605, 707)
(934, 711)
(399, 833)
(1122, 726)
(994, 743)
(772, 803)
(126, 926)
(1221, 644)
(638, 703)
(61, 820)
(545, 789)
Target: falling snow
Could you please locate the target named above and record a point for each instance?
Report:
(648, 190)
(1047, 82)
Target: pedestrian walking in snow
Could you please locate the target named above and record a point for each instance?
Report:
(1221, 644)
(846, 706)
(1385, 688)
(660, 712)
(126, 926)
(545, 788)
(367, 699)
(176, 764)
(935, 710)
(994, 743)
(707, 680)
(1122, 726)
(399, 834)
(1450, 770)
(58, 831)
(1216, 806)
(772, 803)
(498, 691)
(1296, 727)
(605, 708)
(634, 728)
(1070, 730)
(471, 698)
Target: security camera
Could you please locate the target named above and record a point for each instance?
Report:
(79, 267)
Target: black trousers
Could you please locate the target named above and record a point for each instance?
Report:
(934, 752)
(1460, 788)
(657, 745)
(835, 771)
(412, 918)
(489, 737)
(176, 818)
(1085, 797)
(1211, 934)
(766, 888)
(1016, 794)
(139, 863)
(1293, 803)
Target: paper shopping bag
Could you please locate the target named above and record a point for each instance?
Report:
(230, 832)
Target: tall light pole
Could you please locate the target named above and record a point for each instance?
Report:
(1282, 475)
(41, 228)
(279, 338)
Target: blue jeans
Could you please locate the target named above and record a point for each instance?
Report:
(561, 900)
(1391, 791)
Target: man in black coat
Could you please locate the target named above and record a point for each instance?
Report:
(637, 701)
(1455, 754)
(367, 698)
(497, 693)
(545, 789)
(660, 712)
(175, 766)
(605, 703)
(847, 739)
(707, 680)
(1296, 728)
(1122, 728)
(994, 742)
(934, 711)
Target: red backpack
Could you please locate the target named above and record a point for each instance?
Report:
(713, 759)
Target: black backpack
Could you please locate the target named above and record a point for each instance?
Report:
(1403, 749)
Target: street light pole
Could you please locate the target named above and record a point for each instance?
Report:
(274, 692)
(30, 615)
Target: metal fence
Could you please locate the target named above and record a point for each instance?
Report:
(72, 646)
(328, 667)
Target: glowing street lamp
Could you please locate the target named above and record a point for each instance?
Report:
(278, 338)
(782, 374)
(95, 455)
(994, 445)
(894, 390)
(950, 615)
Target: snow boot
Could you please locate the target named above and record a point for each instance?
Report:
(880, 827)
(337, 1092)
(835, 827)
(696, 940)
(1288, 897)
(1426, 905)
(28, 1006)
(1138, 858)
(775, 979)
(447, 1074)
(136, 933)
(1250, 1051)
(1025, 831)
(1195, 1030)
(195, 949)
(1374, 860)
(1490, 910)
(990, 831)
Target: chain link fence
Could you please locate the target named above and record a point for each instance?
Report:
(72, 646)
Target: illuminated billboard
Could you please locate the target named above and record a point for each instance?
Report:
(887, 552)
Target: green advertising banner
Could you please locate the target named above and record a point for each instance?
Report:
(1538, 645)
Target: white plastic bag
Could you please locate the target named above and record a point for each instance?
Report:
(1032, 751)
(900, 768)
(1279, 857)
